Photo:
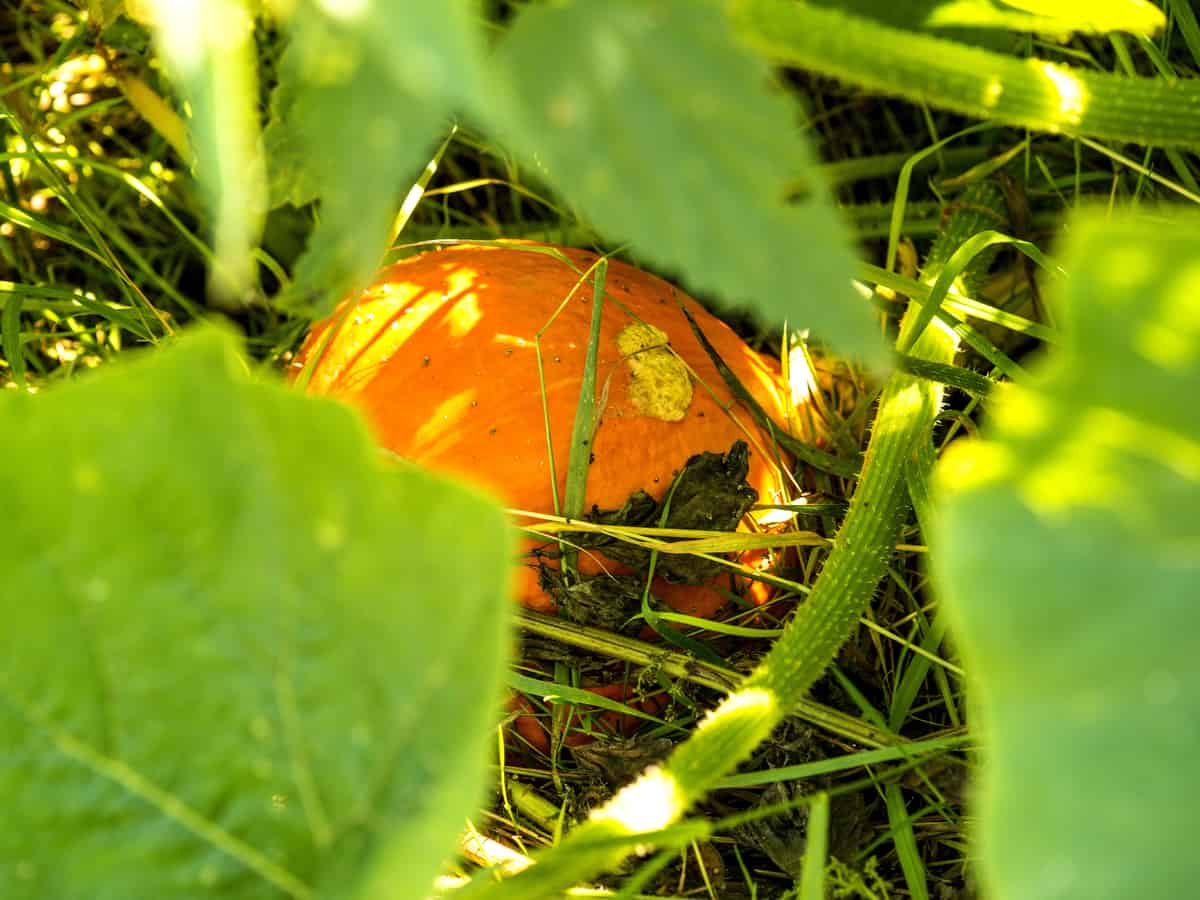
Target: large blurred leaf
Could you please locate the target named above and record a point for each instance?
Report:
(1069, 555)
(209, 48)
(365, 93)
(666, 134)
(234, 662)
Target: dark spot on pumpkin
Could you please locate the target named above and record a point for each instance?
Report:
(491, 431)
(591, 458)
(508, 351)
(699, 414)
(424, 361)
(558, 359)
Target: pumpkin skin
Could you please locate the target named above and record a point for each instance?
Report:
(439, 352)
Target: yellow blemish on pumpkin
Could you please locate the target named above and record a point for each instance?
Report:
(659, 385)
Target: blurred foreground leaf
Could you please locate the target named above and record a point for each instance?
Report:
(210, 50)
(666, 134)
(235, 662)
(1069, 554)
(365, 93)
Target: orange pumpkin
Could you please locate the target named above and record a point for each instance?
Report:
(440, 352)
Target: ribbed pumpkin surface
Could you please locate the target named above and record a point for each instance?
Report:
(440, 352)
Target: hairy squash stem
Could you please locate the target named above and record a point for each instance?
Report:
(861, 551)
(678, 665)
(1027, 93)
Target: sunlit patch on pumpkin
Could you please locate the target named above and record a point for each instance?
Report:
(512, 340)
(440, 430)
(406, 313)
(389, 313)
(659, 384)
(464, 315)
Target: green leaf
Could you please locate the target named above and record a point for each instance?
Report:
(363, 99)
(1028, 93)
(667, 135)
(234, 662)
(1069, 557)
(210, 50)
(816, 851)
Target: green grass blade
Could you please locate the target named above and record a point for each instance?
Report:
(563, 693)
(14, 353)
(584, 427)
(910, 750)
(952, 376)
(1184, 14)
(816, 850)
(977, 245)
(906, 843)
(1033, 94)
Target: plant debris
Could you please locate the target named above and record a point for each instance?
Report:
(710, 493)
